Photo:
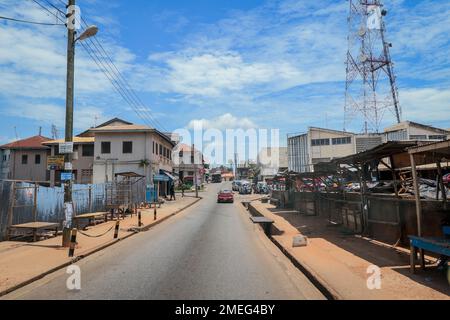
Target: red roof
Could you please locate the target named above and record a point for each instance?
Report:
(29, 143)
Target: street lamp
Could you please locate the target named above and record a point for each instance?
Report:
(89, 32)
(71, 40)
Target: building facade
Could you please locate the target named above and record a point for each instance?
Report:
(318, 145)
(412, 131)
(323, 145)
(186, 161)
(82, 160)
(127, 148)
(25, 160)
(271, 161)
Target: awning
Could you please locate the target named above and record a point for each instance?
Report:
(168, 174)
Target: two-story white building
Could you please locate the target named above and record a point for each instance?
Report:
(121, 147)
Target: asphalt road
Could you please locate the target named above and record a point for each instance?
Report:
(211, 251)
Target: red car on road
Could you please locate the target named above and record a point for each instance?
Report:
(225, 196)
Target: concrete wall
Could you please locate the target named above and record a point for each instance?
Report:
(5, 155)
(29, 171)
(329, 151)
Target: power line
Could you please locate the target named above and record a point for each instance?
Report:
(110, 70)
(32, 22)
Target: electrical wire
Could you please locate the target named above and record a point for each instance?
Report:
(106, 65)
(31, 22)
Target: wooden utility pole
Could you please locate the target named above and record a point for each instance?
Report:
(69, 117)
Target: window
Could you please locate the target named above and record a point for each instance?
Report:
(346, 140)
(24, 159)
(4, 157)
(88, 150)
(181, 154)
(320, 142)
(127, 147)
(160, 149)
(106, 147)
(418, 137)
(157, 148)
(437, 137)
(153, 147)
(37, 159)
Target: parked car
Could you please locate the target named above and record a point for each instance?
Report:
(446, 179)
(236, 185)
(225, 196)
(262, 188)
(245, 188)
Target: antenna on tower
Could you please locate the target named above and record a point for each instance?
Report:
(370, 84)
(54, 132)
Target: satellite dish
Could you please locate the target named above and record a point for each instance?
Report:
(362, 32)
(363, 58)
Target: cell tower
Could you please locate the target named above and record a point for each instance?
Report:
(370, 84)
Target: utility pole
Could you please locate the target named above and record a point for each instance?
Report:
(69, 117)
(195, 170)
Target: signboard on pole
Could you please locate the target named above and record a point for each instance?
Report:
(66, 176)
(68, 166)
(66, 147)
(55, 163)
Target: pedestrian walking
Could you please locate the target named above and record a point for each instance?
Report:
(182, 189)
(172, 192)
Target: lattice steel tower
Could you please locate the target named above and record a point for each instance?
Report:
(370, 85)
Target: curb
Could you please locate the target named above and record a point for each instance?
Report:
(95, 250)
(312, 276)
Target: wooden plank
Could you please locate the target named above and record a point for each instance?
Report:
(36, 225)
(90, 215)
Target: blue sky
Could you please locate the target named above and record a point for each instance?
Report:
(267, 64)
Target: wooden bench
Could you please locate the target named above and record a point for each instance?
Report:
(436, 245)
(34, 228)
(266, 223)
(91, 217)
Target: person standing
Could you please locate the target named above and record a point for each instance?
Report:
(172, 192)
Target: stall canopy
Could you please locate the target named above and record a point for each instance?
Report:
(396, 150)
(428, 154)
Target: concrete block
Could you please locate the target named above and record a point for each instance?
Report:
(300, 241)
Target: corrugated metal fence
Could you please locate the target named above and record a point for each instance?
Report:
(50, 202)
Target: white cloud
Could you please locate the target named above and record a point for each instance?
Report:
(84, 117)
(426, 104)
(223, 122)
